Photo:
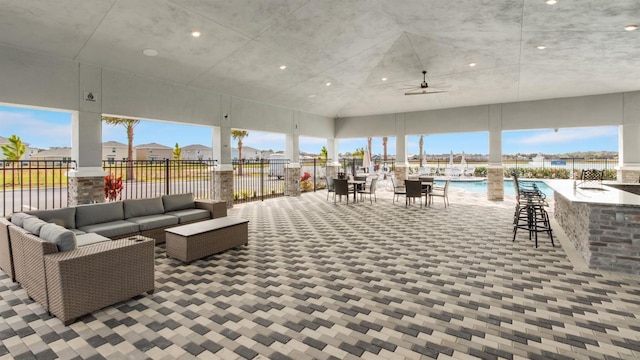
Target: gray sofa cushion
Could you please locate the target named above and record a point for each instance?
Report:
(33, 225)
(64, 239)
(98, 213)
(90, 239)
(18, 218)
(189, 215)
(154, 221)
(142, 207)
(77, 232)
(65, 217)
(178, 202)
(112, 229)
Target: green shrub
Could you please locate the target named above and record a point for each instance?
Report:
(480, 171)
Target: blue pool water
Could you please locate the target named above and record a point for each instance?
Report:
(481, 186)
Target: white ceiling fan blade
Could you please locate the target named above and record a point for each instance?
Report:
(423, 92)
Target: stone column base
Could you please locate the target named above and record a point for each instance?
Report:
(628, 174)
(401, 173)
(495, 183)
(223, 186)
(85, 190)
(292, 180)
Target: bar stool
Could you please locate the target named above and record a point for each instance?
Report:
(530, 213)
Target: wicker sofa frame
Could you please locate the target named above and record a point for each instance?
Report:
(77, 282)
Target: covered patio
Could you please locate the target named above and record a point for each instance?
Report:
(378, 280)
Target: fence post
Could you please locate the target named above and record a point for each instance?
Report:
(166, 176)
(314, 175)
(262, 179)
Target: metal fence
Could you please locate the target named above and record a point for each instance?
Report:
(567, 168)
(259, 179)
(34, 184)
(151, 178)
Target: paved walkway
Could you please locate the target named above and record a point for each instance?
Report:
(323, 281)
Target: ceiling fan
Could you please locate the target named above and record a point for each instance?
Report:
(424, 88)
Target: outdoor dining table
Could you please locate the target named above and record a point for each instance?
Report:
(356, 184)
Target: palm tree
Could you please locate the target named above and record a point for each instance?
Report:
(15, 149)
(421, 144)
(129, 124)
(384, 145)
(239, 135)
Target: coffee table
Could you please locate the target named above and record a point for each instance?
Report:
(201, 239)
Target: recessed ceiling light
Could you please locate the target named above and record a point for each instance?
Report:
(311, 96)
(551, 2)
(541, 47)
(472, 64)
(328, 84)
(631, 27)
(384, 79)
(150, 52)
(196, 33)
(282, 67)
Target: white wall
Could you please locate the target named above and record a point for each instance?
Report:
(584, 111)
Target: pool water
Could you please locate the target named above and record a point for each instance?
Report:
(481, 186)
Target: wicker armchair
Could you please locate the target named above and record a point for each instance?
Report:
(77, 282)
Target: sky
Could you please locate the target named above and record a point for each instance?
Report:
(44, 129)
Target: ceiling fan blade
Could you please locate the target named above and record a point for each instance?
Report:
(423, 92)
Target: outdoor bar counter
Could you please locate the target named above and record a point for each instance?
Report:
(602, 222)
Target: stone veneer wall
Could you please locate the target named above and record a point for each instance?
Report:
(628, 176)
(85, 190)
(495, 183)
(223, 187)
(608, 237)
(401, 173)
(292, 181)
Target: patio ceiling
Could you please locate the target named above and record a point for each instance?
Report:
(350, 44)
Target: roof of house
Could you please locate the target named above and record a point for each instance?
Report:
(114, 144)
(54, 152)
(153, 146)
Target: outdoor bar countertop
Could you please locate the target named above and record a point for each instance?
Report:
(599, 194)
(601, 222)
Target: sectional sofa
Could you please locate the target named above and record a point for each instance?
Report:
(79, 259)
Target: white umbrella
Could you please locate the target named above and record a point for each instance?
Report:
(463, 162)
(451, 159)
(366, 161)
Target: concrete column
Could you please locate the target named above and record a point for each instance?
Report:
(332, 151)
(223, 172)
(401, 169)
(292, 152)
(495, 171)
(629, 153)
(86, 182)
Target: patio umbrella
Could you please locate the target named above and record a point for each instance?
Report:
(463, 162)
(451, 159)
(366, 161)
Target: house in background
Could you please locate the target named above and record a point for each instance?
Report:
(153, 151)
(196, 152)
(53, 154)
(248, 153)
(27, 150)
(113, 150)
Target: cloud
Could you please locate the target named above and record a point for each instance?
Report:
(564, 136)
(36, 132)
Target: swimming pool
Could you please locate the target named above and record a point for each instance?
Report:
(481, 186)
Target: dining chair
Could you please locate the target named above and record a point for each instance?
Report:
(413, 190)
(330, 187)
(397, 189)
(370, 190)
(440, 191)
(341, 187)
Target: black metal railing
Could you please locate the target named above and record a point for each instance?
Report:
(151, 178)
(258, 179)
(34, 184)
